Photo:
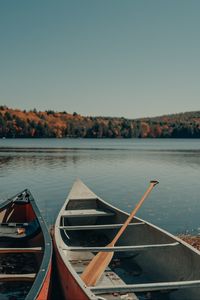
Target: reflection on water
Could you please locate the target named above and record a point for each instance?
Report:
(117, 170)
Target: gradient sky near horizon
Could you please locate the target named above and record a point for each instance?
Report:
(131, 58)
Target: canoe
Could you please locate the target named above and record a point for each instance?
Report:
(148, 262)
(25, 250)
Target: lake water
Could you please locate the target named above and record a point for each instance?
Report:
(117, 170)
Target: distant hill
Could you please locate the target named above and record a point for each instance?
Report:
(15, 123)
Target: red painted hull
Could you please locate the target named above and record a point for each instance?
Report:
(70, 288)
(45, 292)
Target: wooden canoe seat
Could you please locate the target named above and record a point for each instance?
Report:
(21, 250)
(17, 277)
(80, 213)
(121, 248)
(18, 230)
(95, 227)
(11, 224)
(110, 278)
(11, 232)
(146, 287)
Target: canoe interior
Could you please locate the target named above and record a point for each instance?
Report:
(167, 261)
(21, 249)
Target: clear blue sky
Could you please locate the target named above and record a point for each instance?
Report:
(128, 58)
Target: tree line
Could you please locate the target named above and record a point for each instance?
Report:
(24, 124)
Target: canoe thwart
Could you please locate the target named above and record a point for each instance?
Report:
(18, 230)
(95, 227)
(121, 248)
(21, 250)
(84, 199)
(79, 213)
(17, 277)
(13, 224)
(146, 287)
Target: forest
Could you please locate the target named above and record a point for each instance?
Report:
(15, 123)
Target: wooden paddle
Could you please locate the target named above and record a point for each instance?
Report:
(98, 264)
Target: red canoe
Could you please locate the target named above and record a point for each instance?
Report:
(25, 250)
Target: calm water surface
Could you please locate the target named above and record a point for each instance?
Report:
(117, 170)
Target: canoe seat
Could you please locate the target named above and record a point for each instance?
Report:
(98, 227)
(122, 248)
(146, 287)
(11, 230)
(109, 277)
(79, 213)
(17, 277)
(18, 230)
(21, 250)
(12, 224)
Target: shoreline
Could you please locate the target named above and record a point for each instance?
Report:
(192, 240)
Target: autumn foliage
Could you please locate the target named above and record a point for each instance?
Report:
(15, 123)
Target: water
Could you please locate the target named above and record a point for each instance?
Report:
(117, 170)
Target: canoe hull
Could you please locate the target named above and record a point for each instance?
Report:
(45, 292)
(23, 230)
(86, 223)
(70, 288)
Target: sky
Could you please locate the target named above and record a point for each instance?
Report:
(126, 58)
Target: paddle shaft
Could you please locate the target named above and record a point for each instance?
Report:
(132, 214)
(98, 264)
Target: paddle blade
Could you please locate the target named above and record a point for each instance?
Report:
(96, 267)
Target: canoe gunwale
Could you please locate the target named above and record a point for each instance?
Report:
(120, 248)
(45, 265)
(46, 261)
(147, 287)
